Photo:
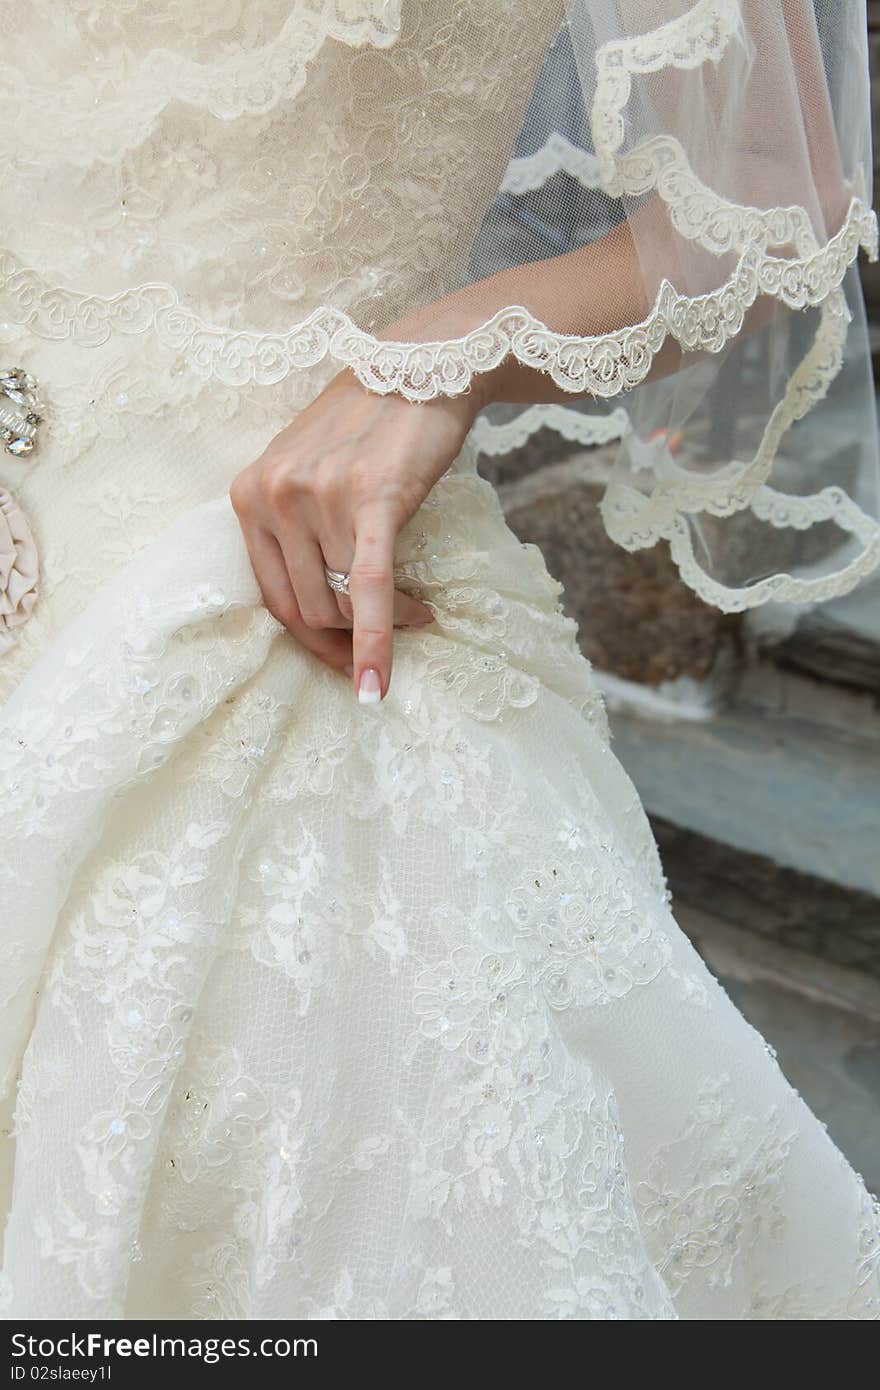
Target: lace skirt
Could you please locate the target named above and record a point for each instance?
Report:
(319, 1010)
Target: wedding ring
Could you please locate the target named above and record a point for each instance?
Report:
(338, 580)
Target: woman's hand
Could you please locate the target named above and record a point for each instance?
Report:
(335, 487)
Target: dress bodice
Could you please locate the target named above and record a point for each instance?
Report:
(261, 162)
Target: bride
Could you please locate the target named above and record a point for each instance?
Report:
(340, 979)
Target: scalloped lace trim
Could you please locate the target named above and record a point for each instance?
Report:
(488, 437)
(637, 521)
(602, 365)
(250, 82)
(700, 214)
(781, 510)
(558, 154)
(698, 36)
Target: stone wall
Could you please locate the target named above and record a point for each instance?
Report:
(635, 616)
(871, 273)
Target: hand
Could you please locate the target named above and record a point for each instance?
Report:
(335, 487)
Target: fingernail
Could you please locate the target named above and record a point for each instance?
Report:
(370, 688)
(349, 670)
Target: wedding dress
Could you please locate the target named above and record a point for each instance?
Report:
(313, 1009)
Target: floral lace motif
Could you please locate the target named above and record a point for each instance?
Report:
(807, 1302)
(711, 1195)
(700, 214)
(206, 831)
(244, 79)
(249, 1168)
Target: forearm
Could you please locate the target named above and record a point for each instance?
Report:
(566, 292)
(596, 289)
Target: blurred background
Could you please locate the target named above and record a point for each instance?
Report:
(754, 740)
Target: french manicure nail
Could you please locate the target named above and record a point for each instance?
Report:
(370, 688)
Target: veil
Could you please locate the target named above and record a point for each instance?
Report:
(728, 145)
(655, 205)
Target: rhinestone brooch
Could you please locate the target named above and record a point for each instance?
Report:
(19, 411)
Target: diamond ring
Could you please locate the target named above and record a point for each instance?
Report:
(338, 580)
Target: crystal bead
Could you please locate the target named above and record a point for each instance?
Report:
(20, 446)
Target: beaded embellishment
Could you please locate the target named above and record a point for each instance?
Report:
(19, 411)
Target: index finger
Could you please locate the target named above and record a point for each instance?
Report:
(371, 584)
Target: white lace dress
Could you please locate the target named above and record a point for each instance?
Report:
(312, 1009)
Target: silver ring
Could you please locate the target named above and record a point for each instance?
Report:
(338, 580)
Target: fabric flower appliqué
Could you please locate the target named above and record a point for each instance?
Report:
(19, 569)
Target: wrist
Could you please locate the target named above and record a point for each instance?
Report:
(446, 320)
